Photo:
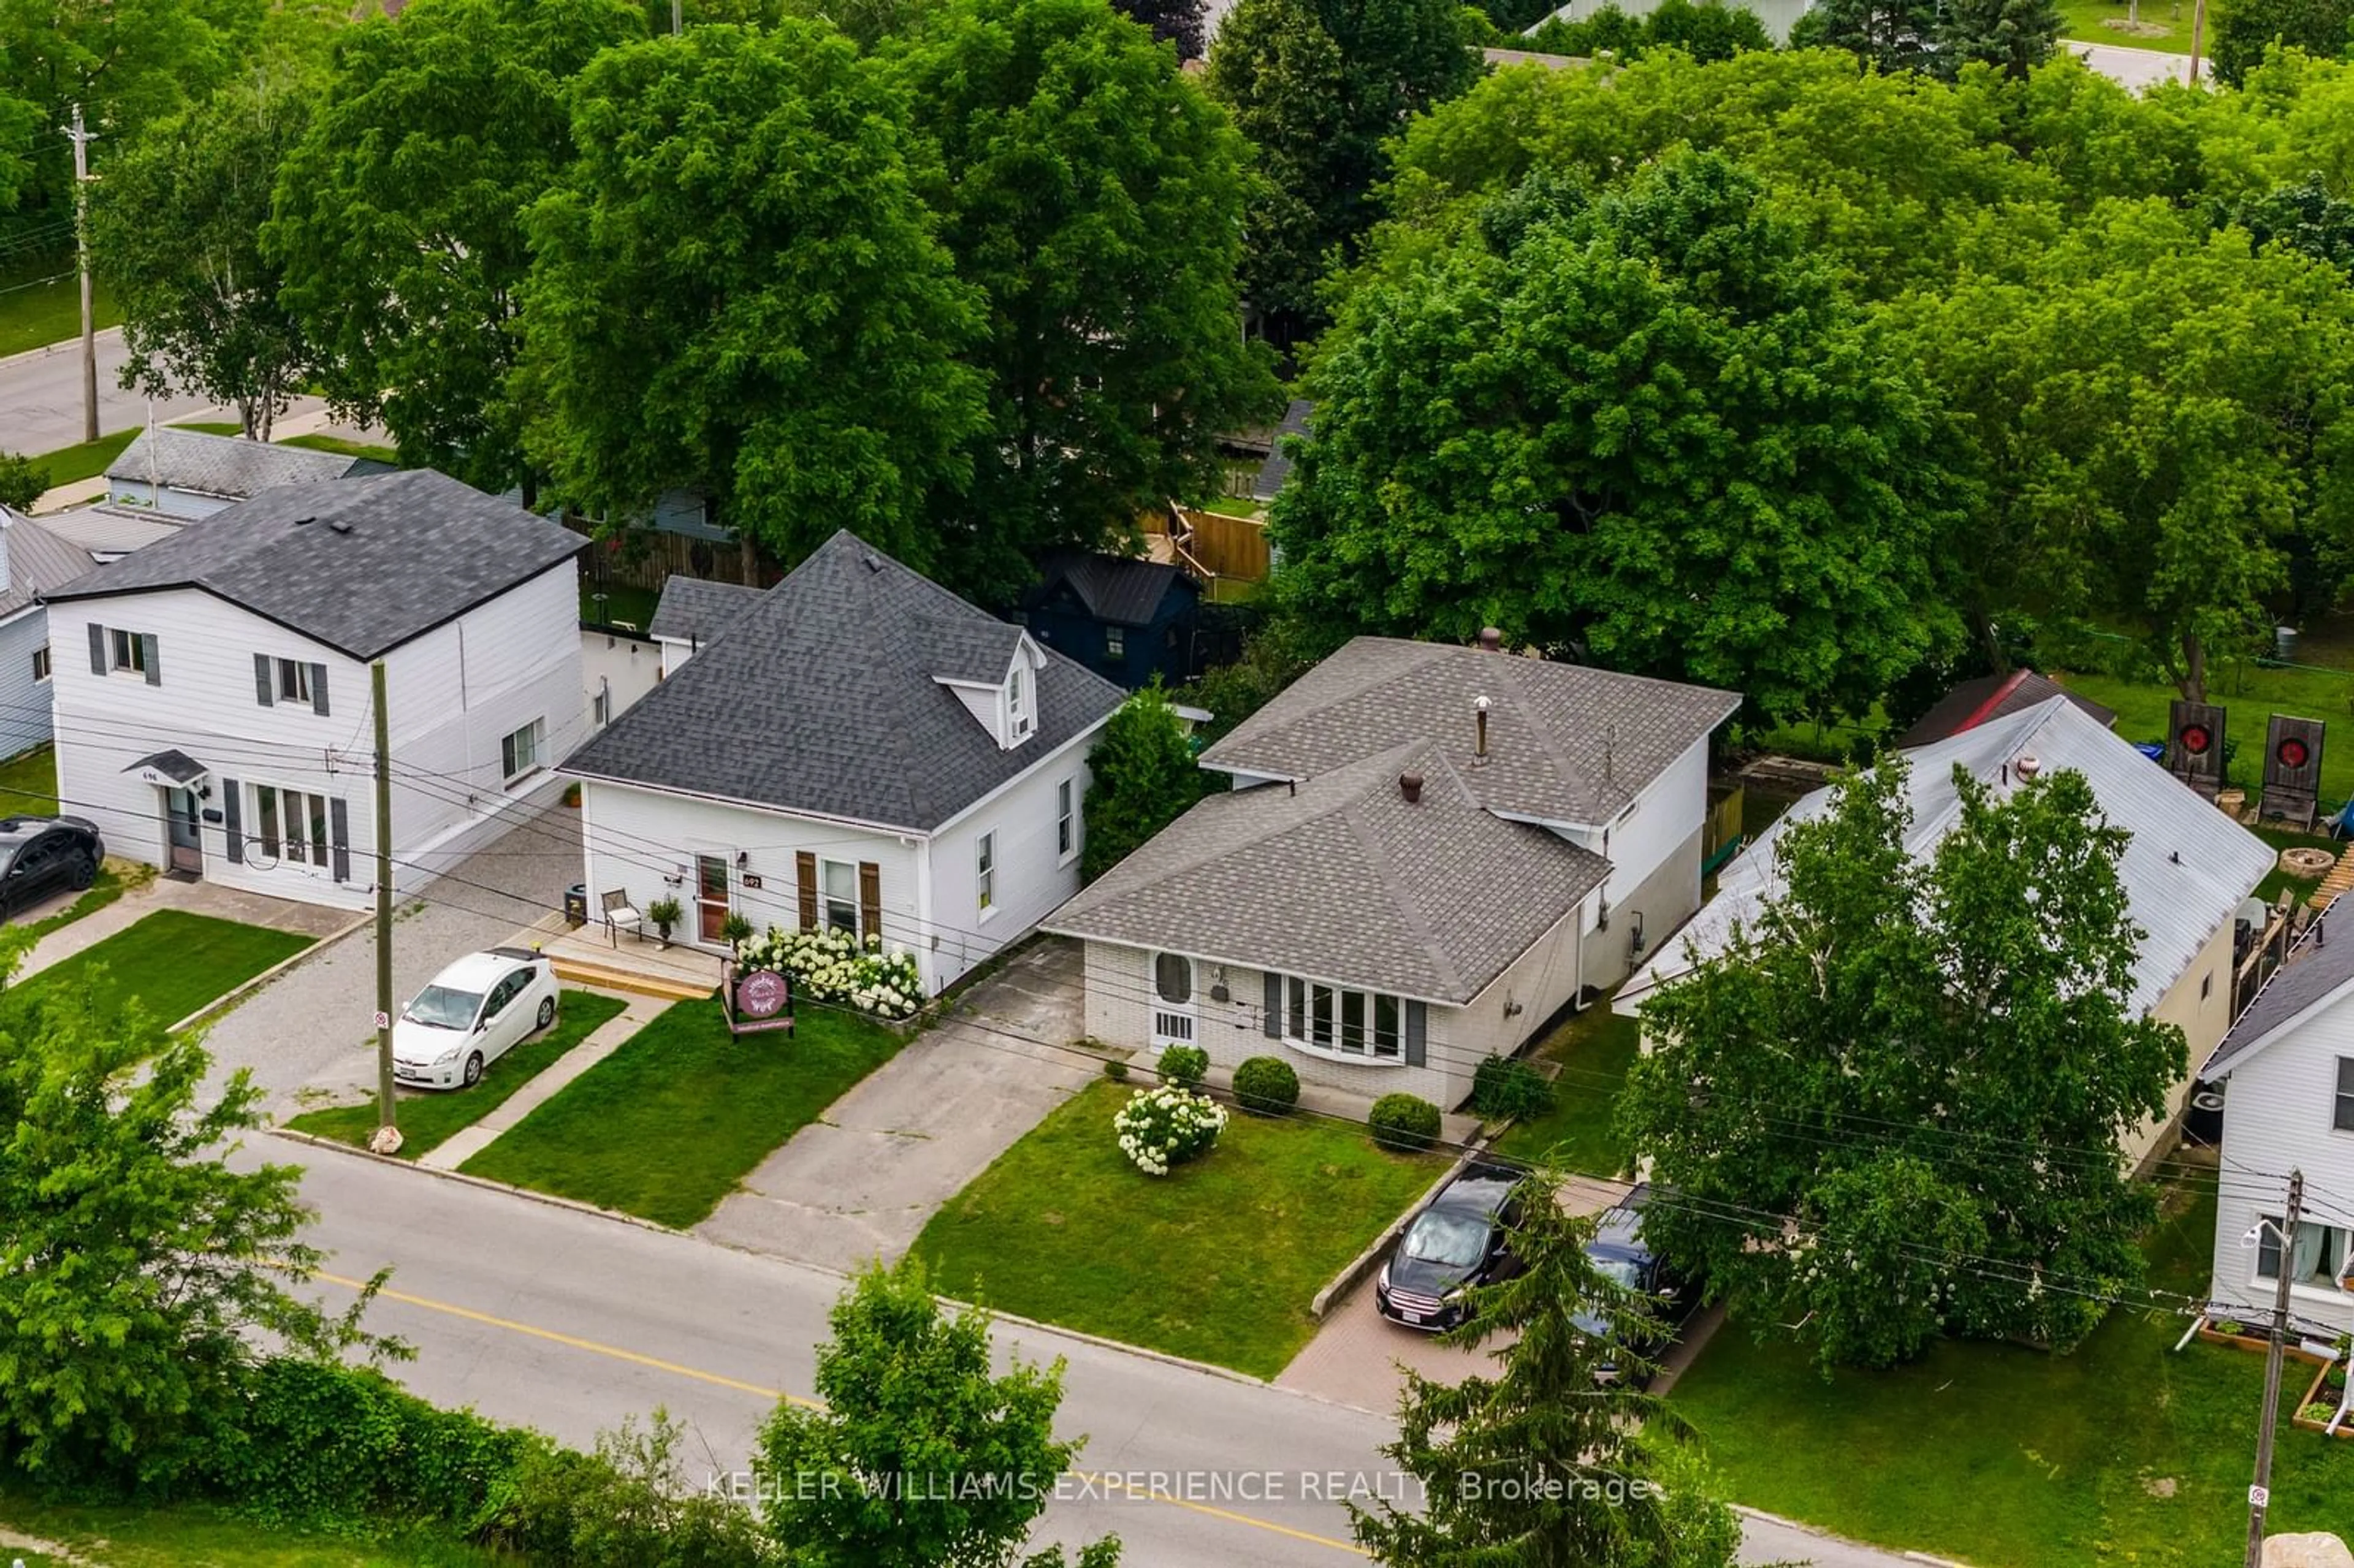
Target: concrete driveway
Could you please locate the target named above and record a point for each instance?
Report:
(860, 1184)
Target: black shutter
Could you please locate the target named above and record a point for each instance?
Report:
(339, 836)
(319, 689)
(233, 821)
(149, 657)
(96, 649)
(264, 678)
(1418, 1031)
(1271, 1007)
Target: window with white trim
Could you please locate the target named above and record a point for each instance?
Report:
(2318, 1262)
(2341, 1115)
(1115, 642)
(41, 663)
(1067, 823)
(294, 681)
(1349, 1023)
(984, 873)
(289, 824)
(130, 651)
(519, 753)
(838, 895)
(1017, 701)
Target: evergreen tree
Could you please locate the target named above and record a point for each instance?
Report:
(2013, 36)
(1143, 776)
(1894, 35)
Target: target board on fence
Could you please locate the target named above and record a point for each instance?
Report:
(2194, 746)
(2292, 769)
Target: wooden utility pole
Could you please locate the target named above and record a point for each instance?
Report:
(81, 137)
(2260, 1494)
(2197, 37)
(387, 1139)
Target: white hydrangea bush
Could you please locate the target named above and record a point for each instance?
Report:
(1162, 1128)
(831, 966)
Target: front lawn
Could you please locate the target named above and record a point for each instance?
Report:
(666, 1126)
(428, 1119)
(193, 1536)
(83, 459)
(1217, 1261)
(172, 961)
(342, 448)
(2007, 1458)
(29, 783)
(2107, 22)
(1593, 1048)
(40, 303)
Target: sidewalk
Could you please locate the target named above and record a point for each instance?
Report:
(601, 1042)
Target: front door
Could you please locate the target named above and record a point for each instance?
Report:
(710, 898)
(180, 820)
(1172, 999)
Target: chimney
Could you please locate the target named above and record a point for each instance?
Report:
(1410, 786)
(2028, 766)
(1491, 639)
(1479, 706)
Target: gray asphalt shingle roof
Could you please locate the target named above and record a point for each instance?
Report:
(362, 565)
(227, 465)
(693, 610)
(1567, 743)
(38, 560)
(826, 697)
(1342, 880)
(1117, 588)
(2318, 965)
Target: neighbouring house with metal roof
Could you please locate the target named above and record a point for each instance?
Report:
(33, 561)
(2288, 1066)
(2186, 869)
(855, 748)
(1427, 851)
(1973, 701)
(213, 702)
(188, 474)
(1125, 619)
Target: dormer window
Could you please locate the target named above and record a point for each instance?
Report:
(1018, 718)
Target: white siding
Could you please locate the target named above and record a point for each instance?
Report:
(622, 667)
(2277, 1115)
(24, 701)
(1031, 880)
(170, 500)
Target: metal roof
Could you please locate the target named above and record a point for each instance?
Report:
(38, 560)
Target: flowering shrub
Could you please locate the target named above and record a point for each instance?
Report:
(1165, 1127)
(827, 965)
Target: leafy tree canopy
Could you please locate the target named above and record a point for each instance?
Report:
(1142, 776)
(1929, 1067)
(1703, 32)
(22, 481)
(1651, 430)
(738, 289)
(2244, 29)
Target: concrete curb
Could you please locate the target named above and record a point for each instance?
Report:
(1353, 1274)
(1802, 1528)
(549, 1198)
(235, 995)
(63, 345)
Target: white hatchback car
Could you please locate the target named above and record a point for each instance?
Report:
(474, 1012)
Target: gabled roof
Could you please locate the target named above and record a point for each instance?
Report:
(227, 466)
(361, 565)
(1342, 880)
(1120, 589)
(1974, 702)
(38, 560)
(1567, 743)
(100, 529)
(824, 697)
(2185, 871)
(2319, 966)
(693, 610)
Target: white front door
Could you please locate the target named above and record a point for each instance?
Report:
(1172, 999)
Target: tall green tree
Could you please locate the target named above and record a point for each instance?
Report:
(1067, 154)
(1652, 431)
(922, 1455)
(2013, 36)
(1319, 87)
(738, 289)
(1894, 1106)
(1182, 24)
(1548, 1464)
(140, 1276)
(22, 481)
(176, 232)
(1141, 777)
(1892, 35)
(399, 215)
(2244, 29)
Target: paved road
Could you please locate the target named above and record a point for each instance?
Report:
(40, 397)
(2134, 68)
(567, 1322)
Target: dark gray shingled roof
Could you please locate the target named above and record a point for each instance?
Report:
(826, 697)
(1566, 743)
(39, 561)
(362, 565)
(693, 610)
(1117, 588)
(1342, 880)
(228, 465)
(2316, 966)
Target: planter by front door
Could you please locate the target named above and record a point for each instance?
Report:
(180, 817)
(710, 898)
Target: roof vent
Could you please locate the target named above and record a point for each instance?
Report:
(1479, 706)
(1492, 639)
(874, 562)
(340, 525)
(2028, 766)
(1410, 786)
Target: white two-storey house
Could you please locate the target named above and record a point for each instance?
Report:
(212, 692)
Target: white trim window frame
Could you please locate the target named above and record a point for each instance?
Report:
(1066, 821)
(837, 896)
(293, 681)
(289, 825)
(1344, 1024)
(984, 873)
(41, 666)
(520, 752)
(127, 652)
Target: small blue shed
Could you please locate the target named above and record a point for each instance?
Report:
(1126, 620)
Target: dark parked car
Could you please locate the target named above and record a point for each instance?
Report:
(42, 856)
(1457, 1243)
(1619, 1252)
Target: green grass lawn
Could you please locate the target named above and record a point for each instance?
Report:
(1231, 506)
(1217, 1261)
(2250, 694)
(1594, 1048)
(666, 1126)
(35, 312)
(2276, 879)
(428, 1119)
(343, 447)
(172, 961)
(29, 783)
(212, 426)
(2124, 1453)
(87, 459)
(2087, 20)
(197, 1537)
(622, 602)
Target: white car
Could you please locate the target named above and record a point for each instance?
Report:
(474, 1013)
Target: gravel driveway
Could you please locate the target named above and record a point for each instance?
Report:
(312, 1028)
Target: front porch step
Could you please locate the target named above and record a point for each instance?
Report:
(643, 984)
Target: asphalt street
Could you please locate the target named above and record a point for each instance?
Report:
(569, 1321)
(40, 397)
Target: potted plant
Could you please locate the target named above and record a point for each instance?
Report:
(736, 931)
(664, 913)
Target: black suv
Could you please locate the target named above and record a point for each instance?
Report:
(1455, 1244)
(43, 856)
(1619, 1252)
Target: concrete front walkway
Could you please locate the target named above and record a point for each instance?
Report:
(859, 1183)
(601, 1044)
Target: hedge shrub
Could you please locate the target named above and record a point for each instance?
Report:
(1265, 1085)
(1184, 1065)
(1510, 1089)
(1405, 1123)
